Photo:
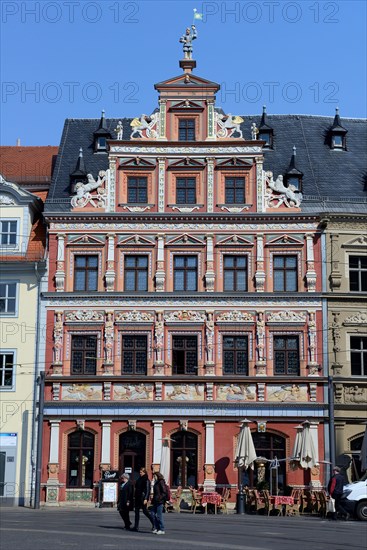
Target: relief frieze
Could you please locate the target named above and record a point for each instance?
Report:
(355, 394)
(185, 315)
(184, 392)
(83, 315)
(287, 392)
(235, 316)
(287, 317)
(134, 317)
(236, 392)
(359, 318)
(81, 392)
(132, 392)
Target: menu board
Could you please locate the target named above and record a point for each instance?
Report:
(109, 492)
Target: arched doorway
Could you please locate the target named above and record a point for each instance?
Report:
(184, 459)
(270, 446)
(80, 459)
(132, 453)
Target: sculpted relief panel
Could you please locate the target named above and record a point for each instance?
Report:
(81, 392)
(236, 392)
(137, 392)
(287, 392)
(184, 392)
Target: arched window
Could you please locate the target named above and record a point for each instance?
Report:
(269, 446)
(132, 453)
(80, 459)
(184, 459)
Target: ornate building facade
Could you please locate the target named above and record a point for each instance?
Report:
(185, 293)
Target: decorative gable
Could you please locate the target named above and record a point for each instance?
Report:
(135, 240)
(358, 242)
(233, 163)
(186, 106)
(235, 240)
(285, 240)
(185, 240)
(185, 163)
(85, 240)
(138, 163)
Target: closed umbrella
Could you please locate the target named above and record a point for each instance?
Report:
(308, 457)
(165, 460)
(245, 450)
(296, 454)
(363, 455)
(245, 458)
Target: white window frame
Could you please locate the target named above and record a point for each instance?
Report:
(10, 245)
(2, 371)
(15, 313)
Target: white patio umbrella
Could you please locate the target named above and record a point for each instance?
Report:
(245, 450)
(296, 453)
(165, 460)
(308, 457)
(363, 454)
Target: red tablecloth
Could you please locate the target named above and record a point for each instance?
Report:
(282, 500)
(211, 498)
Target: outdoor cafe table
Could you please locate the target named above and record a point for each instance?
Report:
(210, 498)
(277, 501)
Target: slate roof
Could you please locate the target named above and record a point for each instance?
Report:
(333, 180)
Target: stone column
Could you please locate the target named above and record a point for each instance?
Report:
(210, 184)
(160, 274)
(157, 444)
(209, 467)
(210, 274)
(60, 266)
(53, 485)
(106, 445)
(260, 184)
(260, 273)
(310, 273)
(110, 272)
(162, 119)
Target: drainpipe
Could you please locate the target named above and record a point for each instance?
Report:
(41, 400)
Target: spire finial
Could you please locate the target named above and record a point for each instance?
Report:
(336, 110)
(264, 109)
(294, 150)
(81, 152)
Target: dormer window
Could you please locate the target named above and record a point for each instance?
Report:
(101, 143)
(337, 134)
(293, 176)
(186, 129)
(265, 131)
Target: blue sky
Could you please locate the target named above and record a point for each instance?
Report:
(71, 59)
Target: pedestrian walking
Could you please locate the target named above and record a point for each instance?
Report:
(335, 488)
(142, 495)
(159, 499)
(125, 500)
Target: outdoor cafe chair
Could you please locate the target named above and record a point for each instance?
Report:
(261, 504)
(224, 500)
(196, 500)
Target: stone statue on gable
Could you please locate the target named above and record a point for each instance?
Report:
(283, 195)
(227, 125)
(187, 39)
(83, 192)
(254, 131)
(147, 124)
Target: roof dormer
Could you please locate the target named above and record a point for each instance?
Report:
(293, 176)
(80, 172)
(265, 131)
(337, 134)
(101, 135)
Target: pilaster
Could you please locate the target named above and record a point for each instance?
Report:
(60, 267)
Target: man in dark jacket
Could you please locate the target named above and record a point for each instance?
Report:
(125, 500)
(335, 488)
(142, 495)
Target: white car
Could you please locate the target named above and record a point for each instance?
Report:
(354, 499)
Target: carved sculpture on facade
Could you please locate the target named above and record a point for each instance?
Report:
(235, 316)
(355, 394)
(209, 333)
(81, 392)
(159, 337)
(359, 318)
(187, 40)
(287, 317)
(236, 392)
(185, 315)
(119, 130)
(254, 131)
(277, 194)
(134, 317)
(6, 201)
(184, 392)
(260, 337)
(312, 337)
(145, 127)
(289, 392)
(83, 192)
(58, 338)
(83, 315)
(131, 392)
(227, 125)
(335, 331)
(109, 338)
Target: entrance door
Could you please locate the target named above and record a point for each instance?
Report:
(132, 452)
(270, 446)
